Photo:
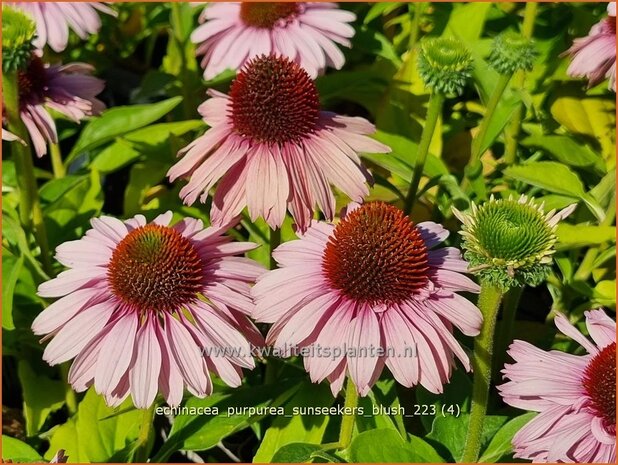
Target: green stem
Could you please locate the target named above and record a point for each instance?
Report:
(56, 160)
(188, 104)
(145, 435)
(30, 212)
(509, 314)
(489, 303)
(492, 104)
(434, 110)
(511, 134)
(348, 421)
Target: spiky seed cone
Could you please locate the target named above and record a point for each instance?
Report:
(444, 65)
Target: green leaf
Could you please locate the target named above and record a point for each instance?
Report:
(566, 150)
(142, 178)
(387, 446)
(11, 267)
(297, 452)
(158, 133)
(575, 236)
(500, 445)
(450, 431)
(41, 397)
(401, 160)
(363, 87)
(193, 431)
(115, 156)
(591, 116)
(96, 432)
(57, 188)
(467, 20)
(118, 121)
(297, 428)
(549, 175)
(18, 451)
(70, 213)
(605, 293)
(456, 392)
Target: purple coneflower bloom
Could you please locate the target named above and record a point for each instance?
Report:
(68, 89)
(54, 19)
(367, 292)
(575, 395)
(148, 307)
(273, 148)
(594, 56)
(308, 33)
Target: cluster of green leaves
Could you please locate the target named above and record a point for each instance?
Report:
(117, 164)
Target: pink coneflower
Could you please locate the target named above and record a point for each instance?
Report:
(366, 292)
(274, 148)
(575, 396)
(234, 33)
(594, 56)
(148, 307)
(67, 89)
(54, 19)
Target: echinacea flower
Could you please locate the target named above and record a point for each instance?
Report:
(68, 89)
(369, 291)
(274, 149)
(307, 33)
(510, 242)
(149, 307)
(54, 19)
(575, 395)
(594, 56)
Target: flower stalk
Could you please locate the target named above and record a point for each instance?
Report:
(509, 244)
(445, 66)
(348, 421)
(510, 53)
(489, 304)
(58, 167)
(434, 110)
(511, 135)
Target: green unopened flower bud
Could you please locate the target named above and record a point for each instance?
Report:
(18, 31)
(444, 65)
(512, 52)
(509, 242)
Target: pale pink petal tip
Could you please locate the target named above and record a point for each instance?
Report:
(351, 310)
(137, 326)
(576, 421)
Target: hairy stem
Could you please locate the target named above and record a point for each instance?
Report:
(348, 420)
(489, 303)
(511, 134)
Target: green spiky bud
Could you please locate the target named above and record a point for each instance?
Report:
(508, 242)
(444, 65)
(18, 32)
(512, 52)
